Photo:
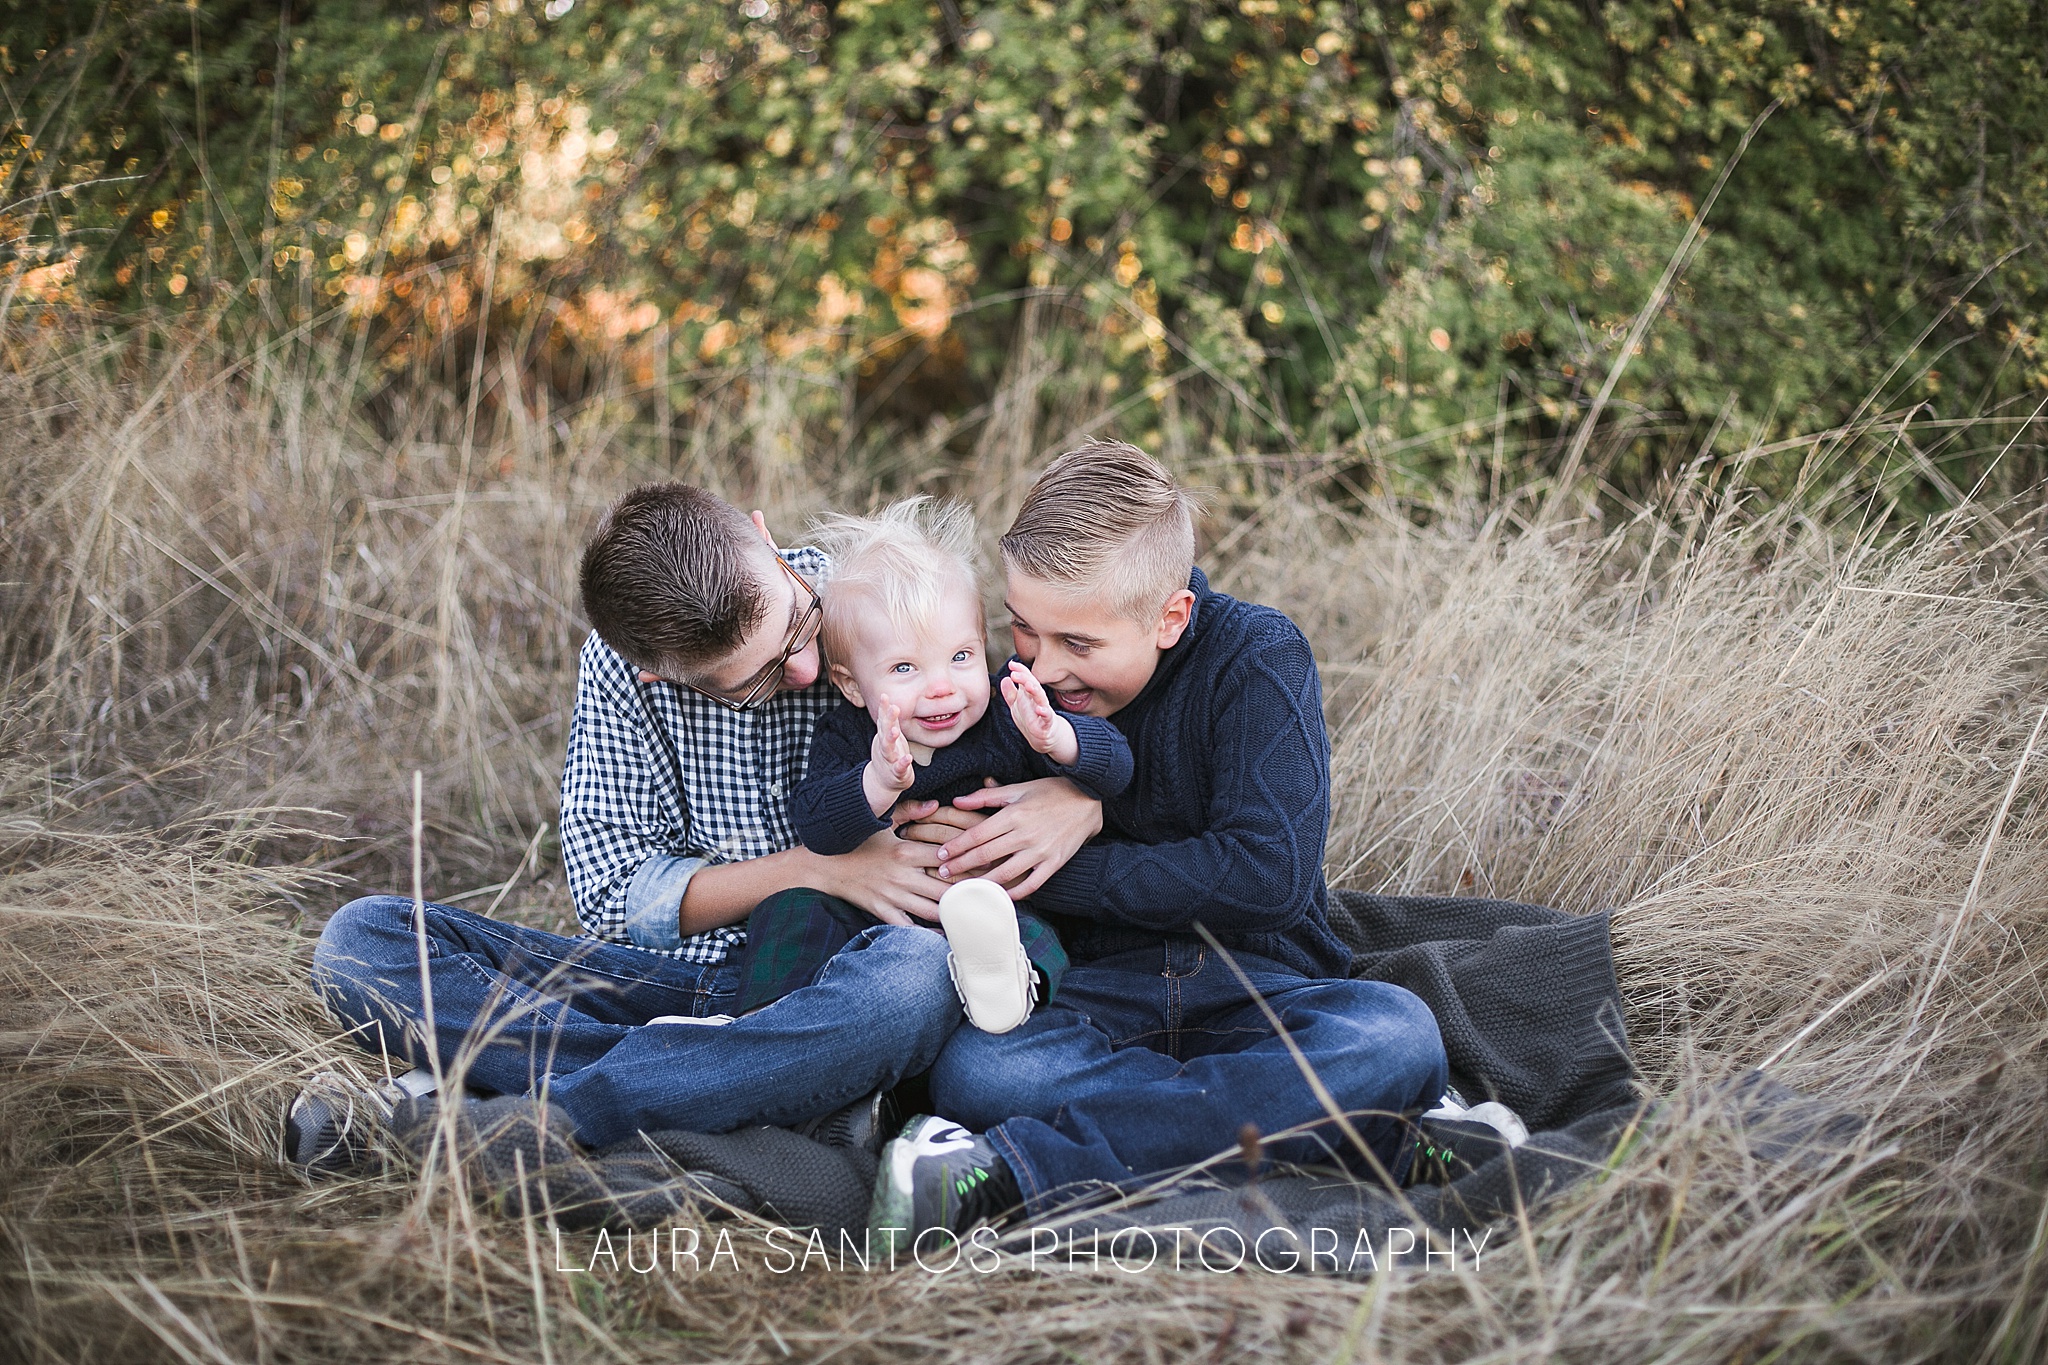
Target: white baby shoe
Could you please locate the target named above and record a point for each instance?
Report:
(990, 969)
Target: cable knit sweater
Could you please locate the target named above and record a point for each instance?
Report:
(1228, 808)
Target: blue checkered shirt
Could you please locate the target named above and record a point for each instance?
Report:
(639, 817)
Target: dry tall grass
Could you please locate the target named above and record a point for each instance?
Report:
(1801, 758)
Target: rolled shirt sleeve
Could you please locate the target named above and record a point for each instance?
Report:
(654, 898)
(619, 806)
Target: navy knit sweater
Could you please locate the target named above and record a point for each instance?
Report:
(1228, 808)
(829, 809)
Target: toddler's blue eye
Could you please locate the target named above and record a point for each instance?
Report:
(962, 656)
(901, 668)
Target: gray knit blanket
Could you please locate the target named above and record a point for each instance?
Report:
(1530, 1014)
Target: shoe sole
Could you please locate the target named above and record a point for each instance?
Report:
(991, 972)
(861, 1124)
(315, 1137)
(1502, 1119)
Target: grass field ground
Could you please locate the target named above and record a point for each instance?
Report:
(1798, 749)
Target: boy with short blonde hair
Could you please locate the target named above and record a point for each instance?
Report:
(1106, 519)
(897, 566)
(906, 586)
(1159, 1054)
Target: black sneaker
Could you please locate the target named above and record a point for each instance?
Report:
(939, 1175)
(1446, 1148)
(864, 1124)
(332, 1124)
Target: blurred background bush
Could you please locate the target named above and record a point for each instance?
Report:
(1403, 238)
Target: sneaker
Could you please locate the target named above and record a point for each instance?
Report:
(1452, 1140)
(1493, 1113)
(990, 968)
(1447, 1148)
(1502, 1119)
(939, 1175)
(864, 1124)
(331, 1124)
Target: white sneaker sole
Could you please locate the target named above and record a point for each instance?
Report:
(990, 969)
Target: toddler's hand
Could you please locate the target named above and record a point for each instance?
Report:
(891, 753)
(1043, 728)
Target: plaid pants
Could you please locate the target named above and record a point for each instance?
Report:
(793, 934)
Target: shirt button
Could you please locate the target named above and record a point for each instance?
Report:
(775, 789)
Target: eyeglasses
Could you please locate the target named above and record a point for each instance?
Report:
(762, 685)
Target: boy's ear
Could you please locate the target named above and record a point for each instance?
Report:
(842, 678)
(1173, 619)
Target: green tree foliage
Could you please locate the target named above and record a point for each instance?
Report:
(1390, 229)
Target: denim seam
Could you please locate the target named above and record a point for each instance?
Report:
(516, 992)
(578, 964)
(1027, 1179)
(1219, 1034)
(1175, 1004)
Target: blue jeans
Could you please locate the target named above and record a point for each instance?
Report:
(1152, 1060)
(519, 1010)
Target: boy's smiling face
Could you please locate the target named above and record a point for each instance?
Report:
(1091, 660)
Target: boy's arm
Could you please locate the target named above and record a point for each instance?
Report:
(888, 877)
(1102, 764)
(1017, 835)
(1257, 867)
(625, 839)
(829, 809)
(1103, 767)
(633, 873)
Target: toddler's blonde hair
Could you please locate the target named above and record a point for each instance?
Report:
(900, 562)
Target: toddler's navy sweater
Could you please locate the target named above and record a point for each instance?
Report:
(829, 809)
(1228, 810)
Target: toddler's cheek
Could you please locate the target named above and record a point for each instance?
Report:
(977, 702)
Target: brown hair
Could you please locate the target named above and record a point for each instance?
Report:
(1107, 518)
(668, 579)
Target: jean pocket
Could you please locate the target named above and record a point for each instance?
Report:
(718, 987)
